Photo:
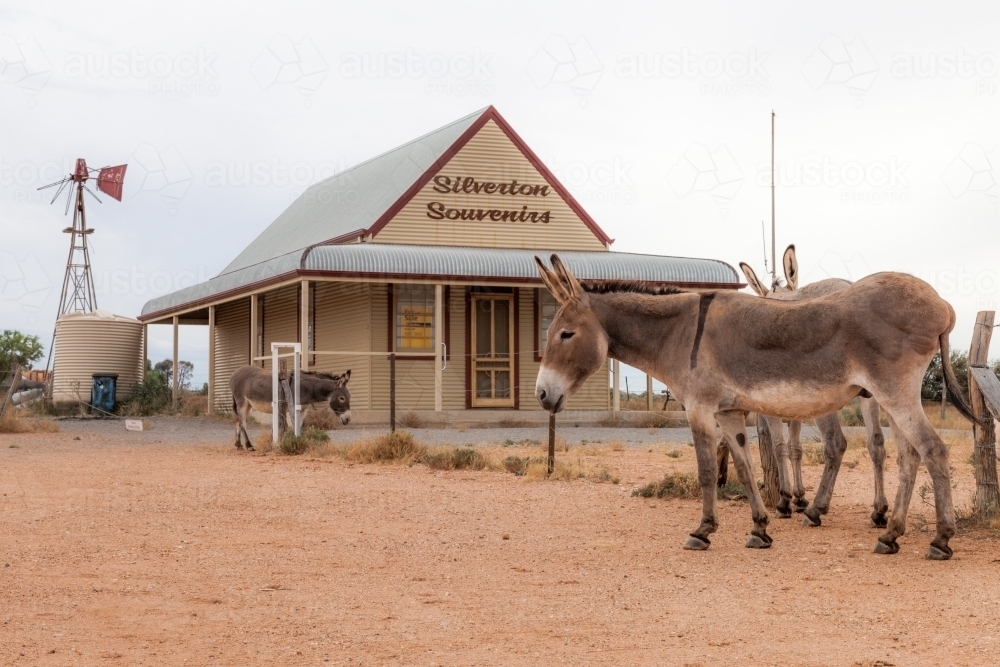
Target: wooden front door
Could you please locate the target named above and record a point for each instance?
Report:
(492, 350)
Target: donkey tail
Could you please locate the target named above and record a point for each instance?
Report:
(955, 394)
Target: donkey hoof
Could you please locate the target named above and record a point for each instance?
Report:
(812, 518)
(879, 520)
(239, 446)
(783, 509)
(887, 548)
(936, 552)
(696, 543)
(250, 448)
(758, 542)
(801, 504)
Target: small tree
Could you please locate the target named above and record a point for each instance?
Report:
(185, 370)
(931, 388)
(16, 347)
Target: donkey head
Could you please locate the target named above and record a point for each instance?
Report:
(791, 267)
(576, 345)
(340, 398)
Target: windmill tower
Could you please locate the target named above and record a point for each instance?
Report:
(78, 295)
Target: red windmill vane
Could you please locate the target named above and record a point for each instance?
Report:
(78, 294)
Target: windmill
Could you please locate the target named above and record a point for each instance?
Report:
(78, 294)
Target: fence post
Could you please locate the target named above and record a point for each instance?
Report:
(984, 447)
(275, 396)
(649, 393)
(392, 392)
(552, 443)
(768, 463)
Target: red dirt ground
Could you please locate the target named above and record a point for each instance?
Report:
(170, 547)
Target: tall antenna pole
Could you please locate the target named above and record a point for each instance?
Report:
(774, 265)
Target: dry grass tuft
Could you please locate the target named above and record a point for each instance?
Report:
(459, 458)
(673, 485)
(395, 447)
(953, 419)
(652, 420)
(411, 420)
(507, 422)
(12, 422)
(813, 454)
(294, 445)
(325, 420)
(614, 420)
(685, 485)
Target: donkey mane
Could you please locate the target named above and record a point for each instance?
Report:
(321, 374)
(628, 286)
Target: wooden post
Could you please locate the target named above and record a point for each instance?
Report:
(211, 359)
(305, 335)
(176, 393)
(438, 347)
(15, 379)
(649, 393)
(254, 317)
(768, 464)
(984, 450)
(392, 392)
(616, 399)
(552, 443)
(145, 350)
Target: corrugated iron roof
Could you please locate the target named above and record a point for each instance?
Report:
(352, 200)
(380, 261)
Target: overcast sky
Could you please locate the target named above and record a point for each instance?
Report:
(656, 116)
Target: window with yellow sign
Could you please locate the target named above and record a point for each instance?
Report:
(414, 318)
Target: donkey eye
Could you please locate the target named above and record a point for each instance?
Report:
(566, 335)
(341, 399)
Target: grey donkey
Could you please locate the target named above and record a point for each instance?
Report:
(251, 388)
(792, 490)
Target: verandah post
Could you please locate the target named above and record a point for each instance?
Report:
(392, 392)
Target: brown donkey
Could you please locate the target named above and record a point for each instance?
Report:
(723, 353)
(834, 442)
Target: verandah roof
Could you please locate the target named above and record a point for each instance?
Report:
(385, 262)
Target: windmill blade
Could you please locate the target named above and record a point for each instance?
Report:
(62, 186)
(91, 193)
(62, 182)
(69, 198)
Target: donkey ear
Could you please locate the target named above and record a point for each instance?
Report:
(566, 278)
(551, 281)
(791, 264)
(342, 380)
(752, 280)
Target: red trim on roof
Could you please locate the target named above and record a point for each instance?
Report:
(490, 114)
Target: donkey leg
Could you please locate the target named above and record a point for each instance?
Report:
(925, 440)
(777, 429)
(876, 450)
(734, 426)
(795, 448)
(239, 426)
(908, 460)
(244, 416)
(703, 431)
(834, 446)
